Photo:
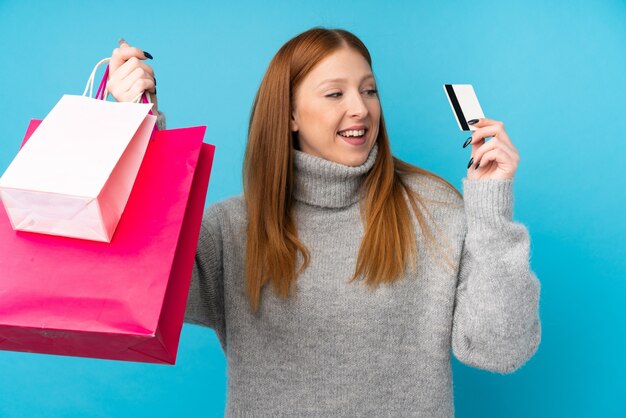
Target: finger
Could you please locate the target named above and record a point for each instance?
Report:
(492, 156)
(476, 143)
(150, 85)
(496, 128)
(139, 87)
(124, 53)
(122, 89)
(478, 137)
(476, 148)
(494, 144)
(127, 83)
(128, 67)
(499, 156)
(476, 140)
(116, 60)
(496, 131)
(482, 122)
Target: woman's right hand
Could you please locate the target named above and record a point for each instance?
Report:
(129, 76)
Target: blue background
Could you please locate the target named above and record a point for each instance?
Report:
(552, 71)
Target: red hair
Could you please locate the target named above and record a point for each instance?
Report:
(387, 206)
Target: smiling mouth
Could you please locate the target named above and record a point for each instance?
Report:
(353, 133)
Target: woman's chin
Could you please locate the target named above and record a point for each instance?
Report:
(351, 159)
(351, 156)
(354, 163)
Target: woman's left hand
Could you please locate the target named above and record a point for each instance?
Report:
(496, 158)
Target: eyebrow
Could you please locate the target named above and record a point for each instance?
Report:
(334, 80)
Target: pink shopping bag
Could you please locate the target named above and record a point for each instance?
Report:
(123, 300)
(74, 175)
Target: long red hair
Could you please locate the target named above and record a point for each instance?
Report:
(387, 206)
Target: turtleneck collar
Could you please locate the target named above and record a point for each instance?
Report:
(324, 183)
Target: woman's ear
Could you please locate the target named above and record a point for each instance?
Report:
(292, 122)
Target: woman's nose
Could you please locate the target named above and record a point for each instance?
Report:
(357, 107)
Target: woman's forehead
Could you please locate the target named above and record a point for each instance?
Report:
(342, 80)
(342, 66)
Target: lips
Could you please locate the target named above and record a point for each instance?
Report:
(354, 135)
(354, 128)
(352, 132)
(354, 140)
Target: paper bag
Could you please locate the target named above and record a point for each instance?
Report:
(124, 300)
(74, 175)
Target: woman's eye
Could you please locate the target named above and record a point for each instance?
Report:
(371, 92)
(337, 94)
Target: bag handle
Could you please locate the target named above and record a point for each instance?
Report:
(102, 93)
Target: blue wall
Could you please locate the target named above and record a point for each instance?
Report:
(552, 71)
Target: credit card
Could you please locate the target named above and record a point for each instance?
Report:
(464, 104)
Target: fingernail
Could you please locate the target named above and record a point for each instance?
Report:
(467, 142)
(147, 54)
(473, 121)
(470, 162)
(155, 91)
(154, 81)
(477, 165)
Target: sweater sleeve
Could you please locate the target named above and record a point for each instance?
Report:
(496, 318)
(160, 122)
(205, 304)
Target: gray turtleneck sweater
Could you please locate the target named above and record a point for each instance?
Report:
(339, 350)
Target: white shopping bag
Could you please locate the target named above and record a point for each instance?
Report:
(74, 175)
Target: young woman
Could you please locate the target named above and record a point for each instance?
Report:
(342, 278)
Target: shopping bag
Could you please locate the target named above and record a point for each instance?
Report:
(74, 175)
(123, 300)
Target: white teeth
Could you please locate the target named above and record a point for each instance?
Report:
(359, 132)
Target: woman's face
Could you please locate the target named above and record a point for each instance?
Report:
(336, 109)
